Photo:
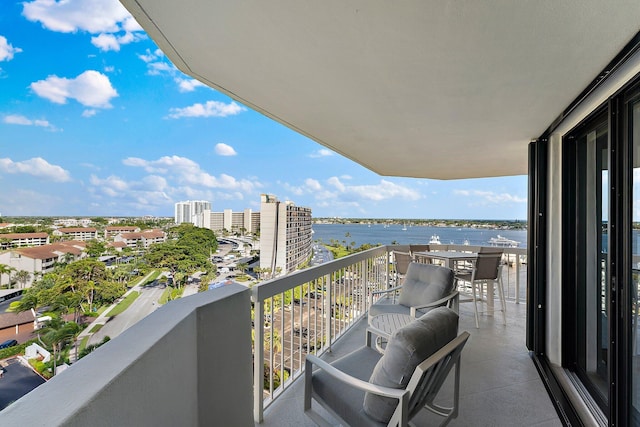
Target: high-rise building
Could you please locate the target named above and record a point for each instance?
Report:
(246, 221)
(190, 211)
(285, 235)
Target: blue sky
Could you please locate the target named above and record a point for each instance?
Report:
(96, 121)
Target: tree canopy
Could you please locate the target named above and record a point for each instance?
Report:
(188, 250)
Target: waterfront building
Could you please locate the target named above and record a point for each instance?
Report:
(285, 235)
(190, 211)
(231, 221)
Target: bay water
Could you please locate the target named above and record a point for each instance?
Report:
(381, 234)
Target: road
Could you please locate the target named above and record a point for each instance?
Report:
(146, 303)
(320, 255)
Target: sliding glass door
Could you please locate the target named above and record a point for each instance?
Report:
(589, 290)
(633, 112)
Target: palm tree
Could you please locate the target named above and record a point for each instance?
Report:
(5, 269)
(55, 334)
(23, 277)
(243, 266)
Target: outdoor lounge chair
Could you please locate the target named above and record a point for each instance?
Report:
(424, 287)
(366, 388)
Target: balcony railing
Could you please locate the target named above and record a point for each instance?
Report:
(307, 311)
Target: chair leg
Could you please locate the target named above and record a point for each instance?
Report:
(502, 300)
(475, 303)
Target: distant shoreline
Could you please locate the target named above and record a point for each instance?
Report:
(463, 223)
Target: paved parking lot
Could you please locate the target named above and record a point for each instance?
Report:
(16, 381)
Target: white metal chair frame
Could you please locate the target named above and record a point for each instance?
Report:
(422, 390)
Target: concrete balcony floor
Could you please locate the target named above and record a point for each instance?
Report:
(499, 382)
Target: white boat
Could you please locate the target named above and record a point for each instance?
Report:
(404, 228)
(503, 242)
(435, 240)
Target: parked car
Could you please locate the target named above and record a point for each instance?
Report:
(8, 343)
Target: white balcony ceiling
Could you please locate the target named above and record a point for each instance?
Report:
(422, 88)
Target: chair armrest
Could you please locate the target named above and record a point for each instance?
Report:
(442, 301)
(386, 291)
(396, 393)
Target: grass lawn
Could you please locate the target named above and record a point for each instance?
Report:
(95, 328)
(170, 294)
(83, 343)
(152, 277)
(124, 304)
(338, 251)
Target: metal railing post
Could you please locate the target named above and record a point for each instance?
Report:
(258, 359)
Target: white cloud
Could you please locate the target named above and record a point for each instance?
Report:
(188, 85)
(151, 56)
(313, 184)
(16, 119)
(376, 192)
(89, 113)
(491, 197)
(225, 150)
(186, 171)
(208, 109)
(323, 152)
(107, 18)
(91, 89)
(158, 65)
(37, 167)
(6, 50)
(337, 193)
(146, 194)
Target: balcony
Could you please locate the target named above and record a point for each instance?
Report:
(190, 363)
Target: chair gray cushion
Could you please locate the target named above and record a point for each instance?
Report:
(344, 400)
(408, 347)
(425, 283)
(386, 305)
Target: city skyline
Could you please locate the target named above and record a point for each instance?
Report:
(97, 122)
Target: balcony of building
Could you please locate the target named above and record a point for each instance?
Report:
(190, 363)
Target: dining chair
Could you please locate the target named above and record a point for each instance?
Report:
(401, 262)
(486, 271)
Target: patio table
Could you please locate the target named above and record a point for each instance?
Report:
(384, 325)
(450, 258)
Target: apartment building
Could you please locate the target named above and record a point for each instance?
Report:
(114, 230)
(41, 259)
(77, 233)
(285, 234)
(144, 238)
(19, 240)
(190, 211)
(231, 221)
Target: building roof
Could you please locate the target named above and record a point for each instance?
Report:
(146, 234)
(8, 320)
(117, 244)
(53, 250)
(13, 236)
(121, 227)
(422, 88)
(77, 230)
